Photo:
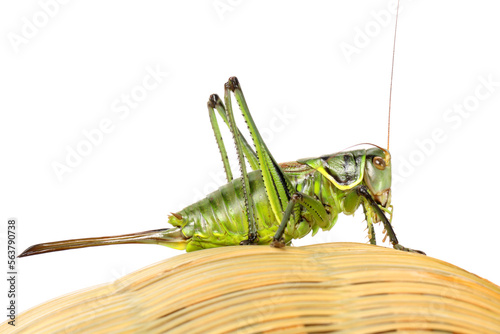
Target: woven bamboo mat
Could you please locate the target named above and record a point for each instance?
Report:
(337, 287)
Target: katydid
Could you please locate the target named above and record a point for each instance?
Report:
(272, 204)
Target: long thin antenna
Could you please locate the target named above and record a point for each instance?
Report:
(392, 73)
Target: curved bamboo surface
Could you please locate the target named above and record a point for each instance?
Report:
(337, 287)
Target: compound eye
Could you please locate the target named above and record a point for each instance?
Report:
(379, 163)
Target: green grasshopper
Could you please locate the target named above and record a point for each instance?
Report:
(272, 204)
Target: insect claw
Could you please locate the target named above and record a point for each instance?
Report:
(409, 250)
(253, 239)
(278, 243)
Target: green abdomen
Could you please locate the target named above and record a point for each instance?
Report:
(220, 219)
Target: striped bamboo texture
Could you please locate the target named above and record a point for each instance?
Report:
(326, 288)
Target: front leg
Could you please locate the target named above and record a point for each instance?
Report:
(371, 232)
(363, 191)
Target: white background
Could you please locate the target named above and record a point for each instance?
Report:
(65, 78)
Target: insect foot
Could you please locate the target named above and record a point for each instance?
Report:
(278, 243)
(404, 249)
(253, 239)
